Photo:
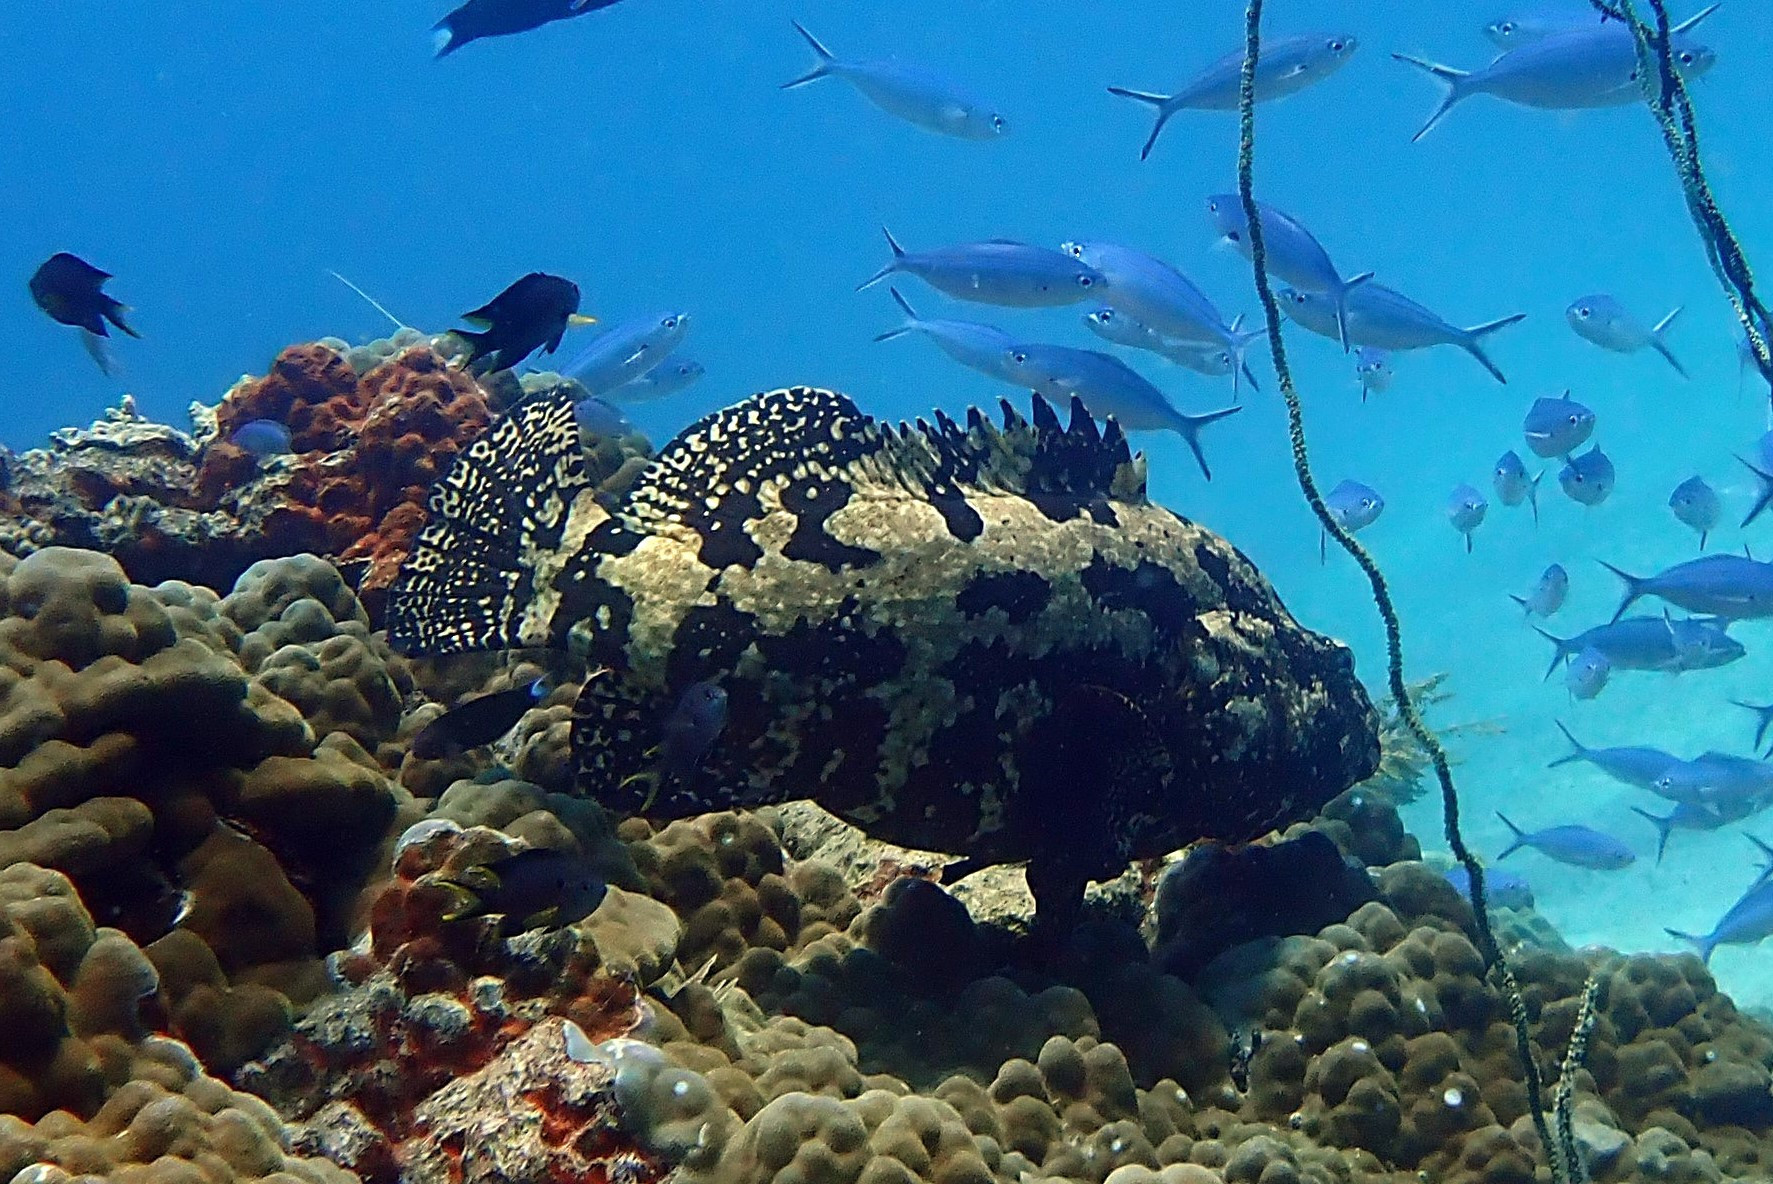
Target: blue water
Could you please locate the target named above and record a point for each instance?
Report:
(221, 157)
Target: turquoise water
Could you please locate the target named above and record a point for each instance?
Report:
(220, 158)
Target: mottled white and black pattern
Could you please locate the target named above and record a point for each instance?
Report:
(967, 638)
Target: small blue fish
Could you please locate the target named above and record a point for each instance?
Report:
(1377, 315)
(1763, 718)
(1502, 888)
(1732, 587)
(1696, 505)
(626, 351)
(1588, 478)
(978, 347)
(1214, 361)
(1601, 319)
(1684, 816)
(1466, 508)
(599, 421)
(931, 103)
(1372, 367)
(1702, 644)
(1513, 486)
(1292, 253)
(1587, 674)
(1123, 328)
(1557, 427)
(501, 18)
(1000, 271)
(1651, 643)
(691, 729)
(1286, 65)
(1733, 786)
(1354, 506)
(1635, 765)
(477, 722)
(264, 438)
(1547, 596)
(1578, 846)
(1747, 922)
(1109, 387)
(674, 374)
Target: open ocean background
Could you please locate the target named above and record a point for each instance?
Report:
(220, 157)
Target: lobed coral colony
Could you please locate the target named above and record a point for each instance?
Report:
(247, 917)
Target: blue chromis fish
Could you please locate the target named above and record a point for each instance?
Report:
(1578, 846)
(1601, 319)
(1292, 253)
(1591, 66)
(533, 313)
(1286, 65)
(1587, 674)
(1731, 587)
(1548, 593)
(500, 18)
(1372, 366)
(1588, 478)
(674, 374)
(1512, 485)
(1651, 643)
(1108, 387)
(626, 351)
(1696, 505)
(932, 103)
(1377, 315)
(1354, 506)
(71, 291)
(538, 888)
(999, 271)
(1635, 765)
(1557, 427)
(984, 348)
(1748, 921)
(477, 722)
(1466, 508)
(1502, 888)
(264, 438)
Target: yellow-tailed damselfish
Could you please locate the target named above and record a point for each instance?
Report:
(531, 314)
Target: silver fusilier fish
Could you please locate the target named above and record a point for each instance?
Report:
(1000, 271)
(976, 346)
(1587, 674)
(1286, 65)
(930, 102)
(1381, 316)
(1601, 319)
(1292, 253)
(1651, 643)
(1109, 387)
(1731, 587)
(1513, 486)
(1354, 506)
(1634, 765)
(1588, 478)
(1557, 427)
(1579, 846)
(1520, 28)
(674, 374)
(1122, 328)
(1747, 922)
(1594, 66)
(1372, 366)
(1696, 505)
(1466, 508)
(626, 351)
(1547, 596)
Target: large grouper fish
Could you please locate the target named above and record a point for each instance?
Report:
(972, 639)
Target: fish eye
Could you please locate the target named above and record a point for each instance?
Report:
(1336, 45)
(1018, 357)
(1084, 281)
(1575, 420)
(1234, 236)
(1583, 311)
(1686, 58)
(997, 124)
(671, 322)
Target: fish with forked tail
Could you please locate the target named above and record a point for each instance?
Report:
(533, 313)
(501, 18)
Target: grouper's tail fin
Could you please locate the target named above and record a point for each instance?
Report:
(478, 570)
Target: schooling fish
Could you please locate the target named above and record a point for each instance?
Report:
(1578, 846)
(1733, 786)
(599, 421)
(531, 314)
(1292, 253)
(1377, 315)
(929, 102)
(1122, 328)
(1763, 718)
(1762, 468)
(1557, 427)
(264, 438)
(1696, 505)
(1286, 65)
(1633, 765)
(627, 351)
(1747, 922)
(1651, 643)
(1513, 31)
(1109, 387)
(1372, 367)
(70, 290)
(1732, 587)
(1466, 508)
(1684, 816)
(1602, 320)
(476, 722)
(1547, 596)
(984, 348)
(1587, 67)
(1502, 888)
(1513, 486)
(499, 18)
(674, 374)
(1000, 271)
(1214, 361)
(1587, 674)
(1588, 478)
(1354, 506)
(539, 888)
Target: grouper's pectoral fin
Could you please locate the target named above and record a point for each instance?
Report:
(1097, 768)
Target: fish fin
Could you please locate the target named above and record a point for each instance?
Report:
(1765, 847)
(1533, 495)
(825, 63)
(1240, 346)
(1164, 111)
(497, 519)
(99, 350)
(911, 318)
(1323, 546)
(1522, 601)
(904, 304)
(1342, 310)
(1454, 80)
(1189, 430)
(1520, 835)
(466, 902)
(890, 334)
(1702, 945)
(1580, 753)
(1468, 542)
(1694, 19)
(1663, 827)
(1564, 646)
(890, 268)
(1765, 497)
(1763, 714)
(1469, 342)
(1661, 347)
(1702, 537)
(113, 311)
(444, 38)
(1634, 587)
